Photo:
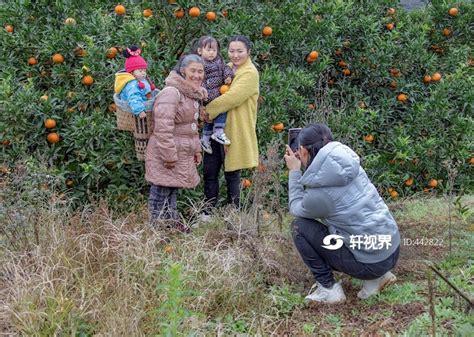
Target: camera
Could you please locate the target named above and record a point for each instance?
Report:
(293, 142)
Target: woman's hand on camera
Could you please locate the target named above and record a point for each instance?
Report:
(292, 162)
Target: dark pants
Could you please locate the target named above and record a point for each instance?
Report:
(162, 203)
(308, 236)
(218, 122)
(212, 164)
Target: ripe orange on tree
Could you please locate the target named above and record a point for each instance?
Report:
(402, 98)
(393, 194)
(32, 61)
(309, 60)
(471, 161)
(53, 137)
(223, 89)
(147, 13)
(314, 55)
(395, 72)
(436, 77)
(427, 78)
(267, 31)
(391, 11)
(112, 107)
(49, 123)
(211, 16)
(112, 52)
(194, 12)
(446, 31)
(225, 13)
(9, 28)
(390, 26)
(87, 80)
(453, 11)
(80, 52)
(44, 98)
(58, 58)
(179, 13)
(120, 10)
(246, 183)
(342, 64)
(433, 183)
(346, 72)
(369, 138)
(409, 182)
(278, 127)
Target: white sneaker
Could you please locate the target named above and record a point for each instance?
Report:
(373, 287)
(206, 146)
(221, 138)
(334, 294)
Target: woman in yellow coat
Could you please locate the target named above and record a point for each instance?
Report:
(240, 103)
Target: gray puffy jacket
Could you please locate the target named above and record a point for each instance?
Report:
(336, 190)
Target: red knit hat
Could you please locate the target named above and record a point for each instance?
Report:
(134, 61)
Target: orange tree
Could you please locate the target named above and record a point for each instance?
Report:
(394, 85)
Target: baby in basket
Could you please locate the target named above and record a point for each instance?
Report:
(132, 84)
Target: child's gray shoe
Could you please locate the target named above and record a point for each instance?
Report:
(206, 146)
(222, 138)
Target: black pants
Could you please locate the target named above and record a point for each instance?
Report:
(212, 164)
(308, 236)
(162, 203)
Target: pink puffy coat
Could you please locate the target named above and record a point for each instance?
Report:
(175, 137)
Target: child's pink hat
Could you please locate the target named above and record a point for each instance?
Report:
(134, 61)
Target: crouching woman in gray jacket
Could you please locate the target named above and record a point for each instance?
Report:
(342, 222)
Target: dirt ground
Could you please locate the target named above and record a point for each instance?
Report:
(359, 318)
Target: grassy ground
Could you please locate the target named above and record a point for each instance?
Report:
(92, 272)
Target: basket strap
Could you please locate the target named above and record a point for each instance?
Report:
(170, 87)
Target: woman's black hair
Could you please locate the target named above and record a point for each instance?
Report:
(313, 137)
(242, 38)
(131, 48)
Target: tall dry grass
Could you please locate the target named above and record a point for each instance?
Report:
(90, 271)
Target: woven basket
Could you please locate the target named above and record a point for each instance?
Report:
(141, 133)
(125, 117)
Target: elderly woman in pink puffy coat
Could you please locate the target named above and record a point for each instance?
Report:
(174, 149)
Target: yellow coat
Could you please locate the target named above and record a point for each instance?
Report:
(240, 102)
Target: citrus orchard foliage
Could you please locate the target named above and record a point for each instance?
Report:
(394, 85)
